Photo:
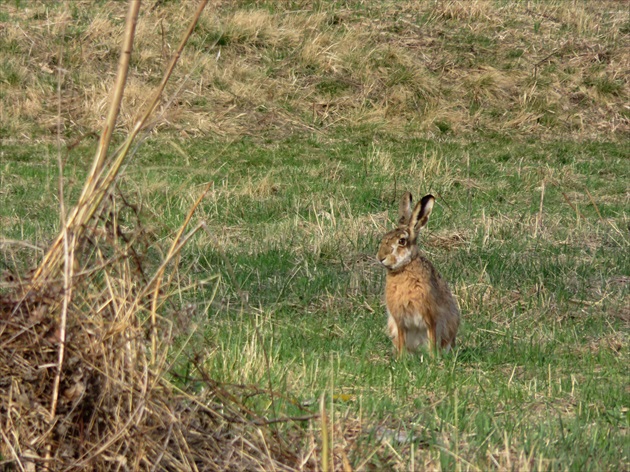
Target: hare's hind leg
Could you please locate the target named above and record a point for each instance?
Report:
(448, 345)
(400, 342)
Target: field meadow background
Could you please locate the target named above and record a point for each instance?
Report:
(309, 121)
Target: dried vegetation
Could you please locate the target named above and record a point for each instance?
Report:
(87, 343)
(113, 407)
(549, 68)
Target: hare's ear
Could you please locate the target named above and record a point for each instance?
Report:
(404, 209)
(421, 213)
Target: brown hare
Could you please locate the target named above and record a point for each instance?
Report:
(421, 309)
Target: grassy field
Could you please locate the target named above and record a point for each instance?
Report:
(310, 123)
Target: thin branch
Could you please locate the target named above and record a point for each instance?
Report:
(53, 258)
(539, 219)
(590, 197)
(68, 264)
(6, 242)
(566, 199)
(100, 179)
(119, 88)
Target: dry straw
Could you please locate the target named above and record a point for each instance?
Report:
(553, 68)
(85, 347)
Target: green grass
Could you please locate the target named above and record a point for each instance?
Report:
(540, 377)
(310, 125)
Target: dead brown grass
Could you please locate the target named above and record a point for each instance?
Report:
(549, 68)
(116, 409)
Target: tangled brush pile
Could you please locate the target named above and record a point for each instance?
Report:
(111, 405)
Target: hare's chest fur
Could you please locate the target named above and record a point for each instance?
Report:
(409, 303)
(408, 292)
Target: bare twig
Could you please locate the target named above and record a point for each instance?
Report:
(7, 242)
(325, 439)
(119, 88)
(566, 199)
(78, 218)
(590, 197)
(68, 262)
(69, 246)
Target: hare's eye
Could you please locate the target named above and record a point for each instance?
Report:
(402, 241)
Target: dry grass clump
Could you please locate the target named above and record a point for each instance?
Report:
(463, 10)
(110, 407)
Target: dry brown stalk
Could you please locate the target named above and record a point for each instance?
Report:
(119, 88)
(539, 219)
(78, 217)
(100, 179)
(590, 197)
(68, 271)
(573, 207)
(325, 432)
